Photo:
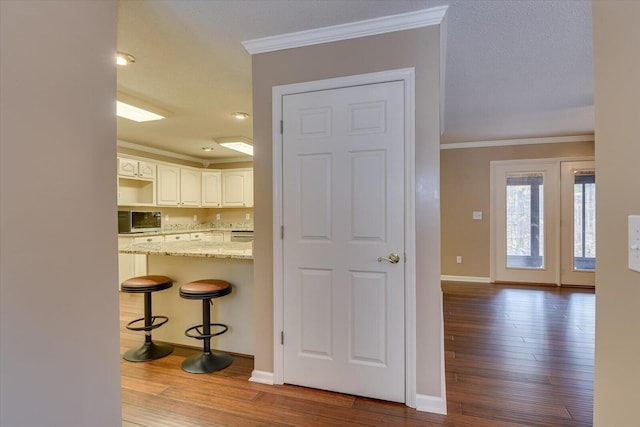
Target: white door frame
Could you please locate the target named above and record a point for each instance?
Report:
(556, 239)
(407, 75)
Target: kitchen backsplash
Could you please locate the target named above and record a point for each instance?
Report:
(197, 218)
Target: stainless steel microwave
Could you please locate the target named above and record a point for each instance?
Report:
(139, 221)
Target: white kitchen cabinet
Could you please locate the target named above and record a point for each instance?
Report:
(148, 239)
(211, 188)
(190, 187)
(136, 168)
(177, 237)
(178, 186)
(136, 183)
(237, 188)
(168, 185)
(131, 265)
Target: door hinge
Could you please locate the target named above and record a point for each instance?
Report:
(282, 337)
(282, 232)
(281, 127)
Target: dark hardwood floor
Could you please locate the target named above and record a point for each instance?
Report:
(515, 355)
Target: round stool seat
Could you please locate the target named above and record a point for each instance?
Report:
(205, 289)
(146, 284)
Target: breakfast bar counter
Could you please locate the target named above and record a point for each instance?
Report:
(204, 249)
(195, 260)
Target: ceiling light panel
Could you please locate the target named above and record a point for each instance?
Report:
(134, 113)
(242, 147)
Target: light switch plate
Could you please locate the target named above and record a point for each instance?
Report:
(477, 214)
(634, 242)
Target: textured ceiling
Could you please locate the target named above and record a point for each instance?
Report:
(514, 68)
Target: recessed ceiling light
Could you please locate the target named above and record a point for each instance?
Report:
(238, 143)
(124, 58)
(207, 148)
(240, 115)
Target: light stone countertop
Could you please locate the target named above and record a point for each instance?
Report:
(182, 231)
(202, 249)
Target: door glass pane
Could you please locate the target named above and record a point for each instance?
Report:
(525, 220)
(584, 220)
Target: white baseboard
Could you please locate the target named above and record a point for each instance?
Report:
(261, 377)
(471, 279)
(434, 404)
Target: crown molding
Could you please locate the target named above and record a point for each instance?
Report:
(521, 141)
(174, 155)
(369, 27)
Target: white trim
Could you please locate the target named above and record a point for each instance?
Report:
(408, 76)
(470, 279)
(410, 327)
(521, 141)
(443, 67)
(544, 160)
(262, 377)
(434, 404)
(352, 30)
(160, 152)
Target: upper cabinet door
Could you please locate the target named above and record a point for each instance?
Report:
(248, 188)
(211, 189)
(136, 168)
(168, 185)
(146, 170)
(237, 188)
(127, 167)
(190, 185)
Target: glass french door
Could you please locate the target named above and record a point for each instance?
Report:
(578, 230)
(543, 222)
(525, 218)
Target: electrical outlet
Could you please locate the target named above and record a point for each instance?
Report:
(477, 215)
(459, 259)
(247, 216)
(166, 218)
(217, 217)
(195, 218)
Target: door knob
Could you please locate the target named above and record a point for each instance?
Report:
(393, 258)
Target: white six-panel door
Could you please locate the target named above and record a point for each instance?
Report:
(343, 208)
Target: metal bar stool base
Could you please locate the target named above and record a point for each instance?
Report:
(204, 363)
(148, 351)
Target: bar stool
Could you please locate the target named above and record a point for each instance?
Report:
(150, 350)
(208, 361)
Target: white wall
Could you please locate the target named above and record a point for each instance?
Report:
(616, 31)
(59, 325)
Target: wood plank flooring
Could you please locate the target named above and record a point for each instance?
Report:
(515, 356)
